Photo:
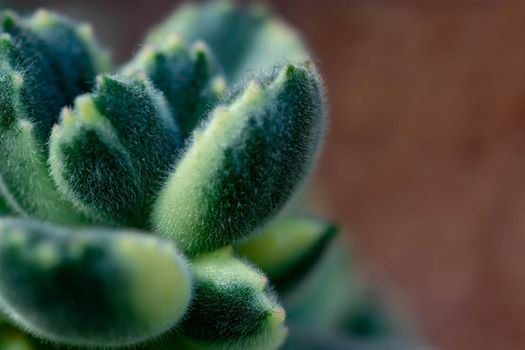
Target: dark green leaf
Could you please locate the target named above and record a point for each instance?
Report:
(245, 163)
(90, 287)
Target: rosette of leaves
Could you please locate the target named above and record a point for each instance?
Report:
(139, 204)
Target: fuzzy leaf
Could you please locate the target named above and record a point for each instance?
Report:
(24, 179)
(111, 153)
(244, 163)
(246, 38)
(233, 307)
(287, 248)
(142, 120)
(56, 60)
(90, 287)
(41, 91)
(42, 65)
(189, 78)
(73, 48)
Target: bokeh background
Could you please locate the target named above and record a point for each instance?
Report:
(424, 163)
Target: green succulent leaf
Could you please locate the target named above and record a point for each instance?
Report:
(73, 48)
(91, 287)
(246, 38)
(244, 163)
(233, 307)
(287, 248)
(41, 94)
(55, 59)
(44, 62)
(162, 146)
(189, 78)
(24, 179)
(111, 153)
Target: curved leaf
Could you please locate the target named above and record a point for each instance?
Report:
(189, 78)
(71, 47)
(90, 287)
(288, 248)
(246, 38)
(24, 178)
(111, 153)
(232, 307)
(245, 163)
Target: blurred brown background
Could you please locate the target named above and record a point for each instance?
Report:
(425, 160)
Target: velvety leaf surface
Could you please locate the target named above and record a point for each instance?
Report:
(246, 38)
(245, 162)
(24, 177)
(233, 307)
(111, 153)
(42, 94)
(45, 60)
(90, 287)
(189, 78)
(73, 49)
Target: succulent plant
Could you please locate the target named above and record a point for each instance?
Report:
(142, 205)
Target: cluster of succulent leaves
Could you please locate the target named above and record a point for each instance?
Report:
(141, 203)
